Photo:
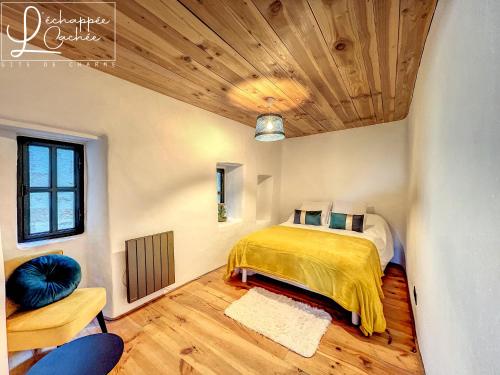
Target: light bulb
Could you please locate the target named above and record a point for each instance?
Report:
(269, 125)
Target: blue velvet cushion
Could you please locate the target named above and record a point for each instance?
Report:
(43, 280)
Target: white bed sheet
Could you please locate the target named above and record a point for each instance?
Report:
(376, 230)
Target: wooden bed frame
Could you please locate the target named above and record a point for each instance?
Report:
(245, 272)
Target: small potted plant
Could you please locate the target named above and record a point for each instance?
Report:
(222, 213)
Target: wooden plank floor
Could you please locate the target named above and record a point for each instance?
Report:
(186, 332)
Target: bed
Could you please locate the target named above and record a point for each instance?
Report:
(343, 265)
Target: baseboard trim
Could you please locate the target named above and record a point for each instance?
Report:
(109, 319)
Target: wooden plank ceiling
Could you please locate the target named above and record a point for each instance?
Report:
(330, 64)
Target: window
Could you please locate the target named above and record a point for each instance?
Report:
(50, 189)
(220, 185)
(229, 191)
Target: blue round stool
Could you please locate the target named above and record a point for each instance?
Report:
(95, 354)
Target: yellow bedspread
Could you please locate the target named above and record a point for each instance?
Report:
(344, 268)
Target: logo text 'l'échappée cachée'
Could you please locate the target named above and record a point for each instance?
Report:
(50, 26)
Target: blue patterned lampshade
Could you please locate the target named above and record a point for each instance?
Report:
(269, 128)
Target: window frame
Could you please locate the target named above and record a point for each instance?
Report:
(24, 190)
(222, 199)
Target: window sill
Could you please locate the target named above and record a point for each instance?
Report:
(229, 223)
(31, 245)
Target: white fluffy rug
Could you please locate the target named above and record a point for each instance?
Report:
(295, 325)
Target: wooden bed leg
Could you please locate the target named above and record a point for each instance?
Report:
(354, 319)
(244, 275)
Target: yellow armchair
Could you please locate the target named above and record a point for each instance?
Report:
(54, 324)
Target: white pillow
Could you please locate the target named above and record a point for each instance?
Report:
(351, 208)
(323, 206)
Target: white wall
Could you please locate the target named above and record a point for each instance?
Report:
(453, 247)
(155, 163)
(4, 361)
(265, 188)
(365, 164)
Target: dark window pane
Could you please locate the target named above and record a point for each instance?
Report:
(220, 185)
(39, 212)
(50, 191)
(65, 210)
(65, 168)
(39, 166)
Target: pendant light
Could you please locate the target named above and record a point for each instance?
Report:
(269, 126)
